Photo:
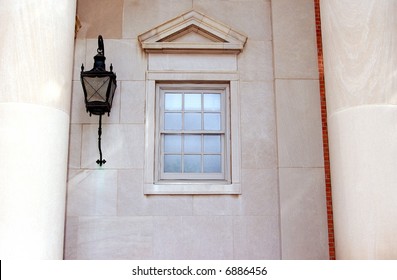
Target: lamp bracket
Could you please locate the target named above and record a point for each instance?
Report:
(100, 161)
(101, 48)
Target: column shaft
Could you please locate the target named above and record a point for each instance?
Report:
(360, 58)
(36, 60)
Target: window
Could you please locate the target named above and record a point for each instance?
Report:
(192, 132)
(199, 136)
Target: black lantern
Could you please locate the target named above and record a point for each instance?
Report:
(99, 86)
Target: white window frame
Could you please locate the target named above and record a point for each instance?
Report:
(153, 183)
(223, 90)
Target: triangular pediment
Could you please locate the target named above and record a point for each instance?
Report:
(192, 32)
(192, 35)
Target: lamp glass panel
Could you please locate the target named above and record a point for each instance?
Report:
(113, 86)
(96, 88)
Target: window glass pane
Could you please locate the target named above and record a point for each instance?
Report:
(212, 164)
(212, 144)
(172, 164)
(212, 102)
(173, 121)
(212, 121)
(192, 164)
(192, 101)
(173, 101)
(192, 121)
(172, 144)
(192, 144)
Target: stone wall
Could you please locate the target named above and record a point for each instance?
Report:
(281, 211)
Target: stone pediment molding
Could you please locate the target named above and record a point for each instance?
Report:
(192, 32)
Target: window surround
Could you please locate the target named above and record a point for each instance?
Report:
(153, 186)
(192, 48)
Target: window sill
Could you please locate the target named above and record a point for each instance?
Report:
(191, 188)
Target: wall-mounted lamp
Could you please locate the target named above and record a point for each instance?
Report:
(99, 86)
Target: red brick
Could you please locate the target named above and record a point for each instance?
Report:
(327, 167)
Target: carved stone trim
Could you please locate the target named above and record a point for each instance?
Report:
(168, 37)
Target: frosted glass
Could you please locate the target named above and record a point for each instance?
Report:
(212, 164)
(96, 88)
(212, 102)
(212, 121)
(192, 102)
(212, 144)
(172, 144)
(172, 164)
(173, 101)
(192, 121)
(192, 164)
(192, 144)
(173, 121)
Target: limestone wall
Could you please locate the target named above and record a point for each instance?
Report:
(281, 211)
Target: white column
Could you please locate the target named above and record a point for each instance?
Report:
(36, 60)
(360, 59)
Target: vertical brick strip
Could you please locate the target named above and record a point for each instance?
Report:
(331, 240)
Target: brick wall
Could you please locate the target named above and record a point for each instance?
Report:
(331, 240)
